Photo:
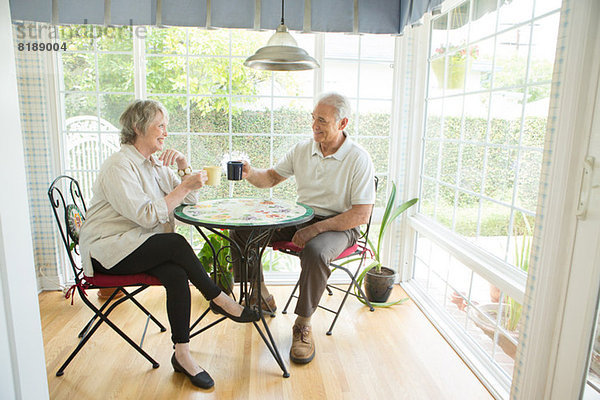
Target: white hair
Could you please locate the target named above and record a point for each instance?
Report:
(337, 101)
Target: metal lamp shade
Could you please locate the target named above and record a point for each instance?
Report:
(281, 54)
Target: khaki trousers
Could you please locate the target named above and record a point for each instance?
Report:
(314, 260)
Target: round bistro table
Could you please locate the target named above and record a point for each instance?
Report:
(262, 217)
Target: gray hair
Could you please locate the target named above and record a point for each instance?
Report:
(339, 102)
(139, 115)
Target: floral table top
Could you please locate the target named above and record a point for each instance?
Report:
(236, 212)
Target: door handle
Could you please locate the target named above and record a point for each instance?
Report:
(586, 187)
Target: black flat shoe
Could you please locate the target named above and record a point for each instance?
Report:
(248, 315)
(202, 380)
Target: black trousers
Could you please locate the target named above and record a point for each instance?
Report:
(170, 258)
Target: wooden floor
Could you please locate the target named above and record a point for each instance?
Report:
(388, 354)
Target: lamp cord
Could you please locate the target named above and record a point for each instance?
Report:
(282, 3)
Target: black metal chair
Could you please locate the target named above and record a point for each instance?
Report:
(360, 249)
(69, 210)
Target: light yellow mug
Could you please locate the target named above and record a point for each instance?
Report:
(214, 175)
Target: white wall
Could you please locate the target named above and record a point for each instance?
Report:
(22, 366)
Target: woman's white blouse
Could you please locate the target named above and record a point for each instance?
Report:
(128, 206)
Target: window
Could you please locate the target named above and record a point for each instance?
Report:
(219, 108)
(96, 84)
(487, 102)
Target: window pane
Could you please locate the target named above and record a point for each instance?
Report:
(115, 72)
(338, 45)
(542, 7)
(467, 212)
(434, 114)
(341, 77)
(500, 173)
(458, 24)
(245, 43)
(449, 162)
(292, 116)
(529, 180)
(208, 150)
(77, 37)
(493, 229)
(177, 108)
(431, 158)
(208, 43)
(114, 39)
(166, 74)
(471, 169)
(178, 142)
(165, 41)
(445, 206)
(251, 115)
(249, 82)
(543, 49)
(209, 114)
(514, 13)
(80, 104)
(476, 114)
(483, 20)
(427, 200)
(258, 149)
(439, 34)
(79, 71)
(209, 75)
(481, 57)
(374, 47)
(374, 118)
(378, 148)
(294, 83)
(112, 106)
(453, 109)
(512, 49)
(375, 80)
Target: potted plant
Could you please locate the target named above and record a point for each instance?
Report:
(510, 308)
(223, 251)
(457, 64)
(378, 279)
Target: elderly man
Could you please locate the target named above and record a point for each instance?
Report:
(335, 177)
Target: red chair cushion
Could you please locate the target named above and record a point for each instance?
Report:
(292, 247)
(105, 280)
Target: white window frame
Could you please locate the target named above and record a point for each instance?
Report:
(140, 91)
(510, 280)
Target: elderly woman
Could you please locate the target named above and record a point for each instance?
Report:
(129, 226)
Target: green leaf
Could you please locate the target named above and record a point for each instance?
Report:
(386, 214)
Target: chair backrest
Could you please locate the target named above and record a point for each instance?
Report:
(69, 211)
(365, 234)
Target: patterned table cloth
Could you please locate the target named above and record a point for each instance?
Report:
(239, 212)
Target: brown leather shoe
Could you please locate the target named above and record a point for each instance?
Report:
(268, 303)
(303, 345)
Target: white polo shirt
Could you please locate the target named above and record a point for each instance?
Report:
(333, 184)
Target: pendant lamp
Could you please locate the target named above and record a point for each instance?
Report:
(281, 53)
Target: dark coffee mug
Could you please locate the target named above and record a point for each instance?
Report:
(234, 170)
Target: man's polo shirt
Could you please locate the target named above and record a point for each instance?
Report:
(333, 184)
